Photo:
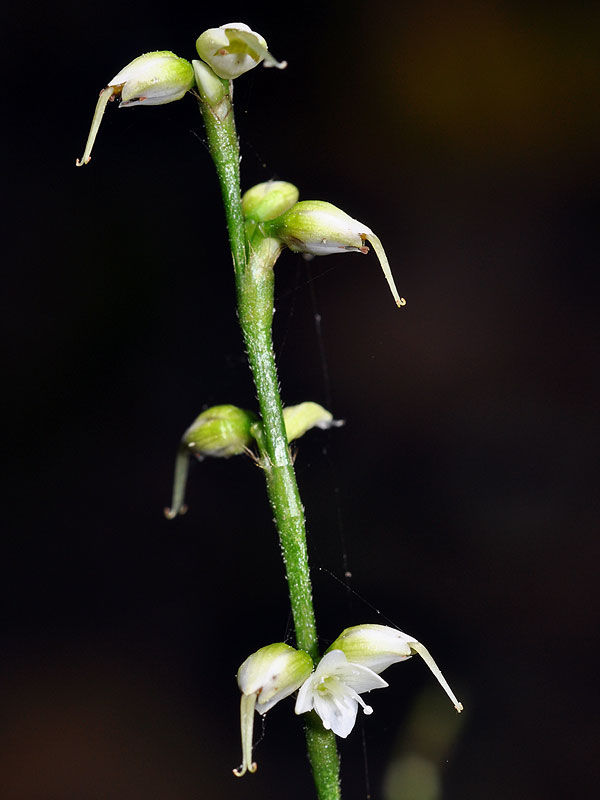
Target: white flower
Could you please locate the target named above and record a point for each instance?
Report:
(333, 691)
(379, 646)
(233, 49)
(265, 678)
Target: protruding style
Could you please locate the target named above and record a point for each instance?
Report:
(152, 79)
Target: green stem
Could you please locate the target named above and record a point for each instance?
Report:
(255, 298)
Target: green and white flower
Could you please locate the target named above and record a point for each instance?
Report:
(152, 79)
(334, 690)
(320, 229)
(266, 677)
(218, 432)
(233, 49)
(379, 646)
(301, 418)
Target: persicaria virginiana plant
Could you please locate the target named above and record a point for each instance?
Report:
(261, 223)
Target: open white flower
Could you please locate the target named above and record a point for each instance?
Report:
(334, 690)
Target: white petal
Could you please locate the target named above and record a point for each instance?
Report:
(359, 678)
(331, 663)
(362, 679)
(337, 713)
(238, 26)
(304, 701)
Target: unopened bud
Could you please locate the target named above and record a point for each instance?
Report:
(301, 418)
(268, 200)
(220, 432)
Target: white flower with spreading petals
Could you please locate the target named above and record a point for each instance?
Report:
(334, 690)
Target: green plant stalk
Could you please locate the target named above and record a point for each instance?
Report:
(255, 299)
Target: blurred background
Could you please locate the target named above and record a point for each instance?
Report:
(461, 495)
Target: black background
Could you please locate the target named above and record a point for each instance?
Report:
(461, 494)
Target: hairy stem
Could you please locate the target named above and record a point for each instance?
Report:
(255, 297)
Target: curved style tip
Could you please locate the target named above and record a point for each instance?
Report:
(171, 513)
(239, 771)
(274, 63)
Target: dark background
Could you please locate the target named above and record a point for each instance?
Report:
(461, 494)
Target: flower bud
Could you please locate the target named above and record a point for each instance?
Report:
(219, 432)
(379, 646)
(233, 49)
(152, 79)
(319, 228)
(265, 678)
(210, 87)
(268, 200)
(301, 418)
